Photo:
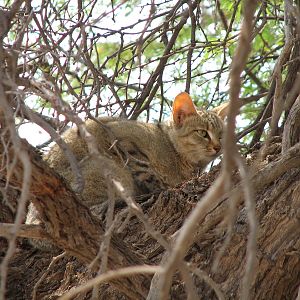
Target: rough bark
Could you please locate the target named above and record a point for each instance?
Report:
(71, 225)
(277, 189)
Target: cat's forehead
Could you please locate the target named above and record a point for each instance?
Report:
(210, 120)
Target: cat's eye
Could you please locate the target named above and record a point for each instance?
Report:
(203, 133)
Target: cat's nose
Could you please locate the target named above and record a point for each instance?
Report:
(217, 148)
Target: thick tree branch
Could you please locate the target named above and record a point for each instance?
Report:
(71, 225)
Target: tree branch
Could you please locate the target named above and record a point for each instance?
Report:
(71, 225)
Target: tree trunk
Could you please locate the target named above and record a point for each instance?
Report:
(277, 206)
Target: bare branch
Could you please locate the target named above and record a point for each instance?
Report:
(111, 275)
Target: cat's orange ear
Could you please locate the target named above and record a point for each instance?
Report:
(222, 110)
(183, 106)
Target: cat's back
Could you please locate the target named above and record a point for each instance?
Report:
(95, 188)
(56, 157)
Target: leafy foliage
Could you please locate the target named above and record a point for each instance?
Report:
(133, 57)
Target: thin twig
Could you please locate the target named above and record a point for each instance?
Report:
(111, 275)
(53, 262)
(22, 155)
(231, 155)
(206, 278)
(32, 231)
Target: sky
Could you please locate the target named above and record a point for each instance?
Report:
(33, 133)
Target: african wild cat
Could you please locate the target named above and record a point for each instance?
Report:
(149, 156)
(170, 152)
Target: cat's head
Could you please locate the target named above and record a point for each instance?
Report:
(197, 133)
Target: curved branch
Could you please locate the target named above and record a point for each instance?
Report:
(71, 225)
